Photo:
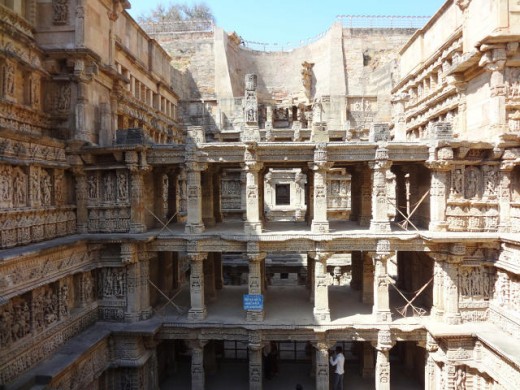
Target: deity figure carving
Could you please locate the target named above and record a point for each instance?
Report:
(306, 73)
(6, 322)
(64, 301)
(109, 187)
(317, 110)
(19, 185)
(92, 186)
(122, 186)
(113, 282)
(46, 188)
(9, 78)
(61, 11)
(457, 184)
(471, 182)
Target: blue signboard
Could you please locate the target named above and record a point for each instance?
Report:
(253, 302)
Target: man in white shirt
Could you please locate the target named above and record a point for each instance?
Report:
(338, 360)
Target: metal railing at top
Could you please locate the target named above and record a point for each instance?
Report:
(382, 21)
(165, 28)
(281, 46)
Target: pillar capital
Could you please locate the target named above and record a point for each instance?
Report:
(320, 165)
(384, 341)
(253, 166)
(256, 257)
(195, 166)
(196, 257)
(319, 255)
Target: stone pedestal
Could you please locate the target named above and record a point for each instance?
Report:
(381, 308)
(321, 287)
(198, 306)
(194, 222)
(438, 195)
(253, 224)
(380, 168)
(255, 283)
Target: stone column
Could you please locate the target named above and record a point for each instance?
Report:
(383, 347)
(80, 24)
(451, 284)
(321, 287)
(439, 189)
(198, 376)
(380, 221)
(367, 360)
(437, 311)
(320, 166)
(198, 306)
(253, 224)
(493, 61)
(194, 222)
(255, 363)
(137, 198)
(504, 195)
(365, 212)
(367, 288)
(255, 283)
(381, 308)
(138, 294)
(81, 199)
(322, 366)
(430, 366)
(208, 210)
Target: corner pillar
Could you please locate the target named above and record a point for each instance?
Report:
(381, 308)
(137, 167)
(322, 365)
(198, 306)
(451, 284)
(365, 214)
(320, 223)
(253, 224)
(439, 276)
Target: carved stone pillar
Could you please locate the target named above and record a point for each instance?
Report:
(320, 223)
(198, 376)
(198, 306)
(310, 276)
(430, 366)
(384, 345)
(451, 284)
(504, 196)
(255, 363)
(80, 24)
(138, 295)
(322, 366)
(321, 287)
(367, 360)
(255, 283)
(253, 224)
(494, 60)
(381, 308)
(367, 287)
(82, 131)
(439, 189)
(380, 221)
(194, 222)
(208, 210)
(137, 189)
(437, 311)
(81, 199)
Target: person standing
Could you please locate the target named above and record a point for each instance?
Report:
(338, 360)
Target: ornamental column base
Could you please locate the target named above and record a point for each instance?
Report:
(253, 227)
(320, 227)
(197, 314)
(194, 229)
(382, 316)
(438, 226)
(321, 315)
(380, 226)
(453, 319)
(255, 315)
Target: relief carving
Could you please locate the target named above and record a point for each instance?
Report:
(114, 282)
(61, 11)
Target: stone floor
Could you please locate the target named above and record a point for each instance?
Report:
(234, 375)
(286, 305)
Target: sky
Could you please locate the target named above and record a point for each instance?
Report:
(277, 21)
